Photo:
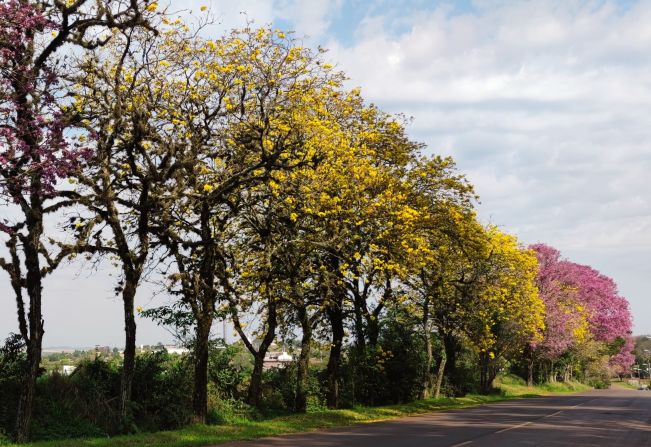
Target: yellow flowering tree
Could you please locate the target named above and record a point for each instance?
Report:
(502, 309)
(183, 127)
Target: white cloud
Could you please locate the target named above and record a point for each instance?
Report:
(544, 105)
(309, 17)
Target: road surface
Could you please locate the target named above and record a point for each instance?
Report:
(616, 417)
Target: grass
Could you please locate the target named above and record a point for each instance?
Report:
(629, 386)
(514, 386)
(202, 435)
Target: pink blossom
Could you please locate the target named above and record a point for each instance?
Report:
(574, 292)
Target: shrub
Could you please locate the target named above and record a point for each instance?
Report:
(226, 374)
(599, 383)
(389, 372)
(162, 390)
(12, 366)
(79, 405)
(85, 403)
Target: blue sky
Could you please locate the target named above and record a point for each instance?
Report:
(543, 104)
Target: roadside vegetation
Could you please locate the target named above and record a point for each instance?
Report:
(241, 176)
(240, 428)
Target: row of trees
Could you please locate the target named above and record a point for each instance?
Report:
(242, 172)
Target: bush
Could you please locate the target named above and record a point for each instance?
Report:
(599, 383)
(85, 404)
(80, 405)
(390, 372)
(228, 377)
(12, 367)
(4, 439)
(226, 411)
(279, 389)
(162, 391)
(464, 378)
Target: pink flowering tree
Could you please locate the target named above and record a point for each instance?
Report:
(36, 148)
(622, 361)
(581, 304)
(565, 322)
(607, 313)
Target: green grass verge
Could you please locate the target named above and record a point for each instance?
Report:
(626, 385)
(202, 435)
(514, 386)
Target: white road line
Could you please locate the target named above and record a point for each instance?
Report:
(463, 443)
(523, 424)
(513, 427)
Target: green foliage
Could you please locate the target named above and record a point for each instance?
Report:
(228, 375)
(511, 385)
(198, 435)
(76, 405)
(162, 387)
(462, 372)
(389, 372)
(229, 411)
(599, 383)
(84, 404)
(12, 366)
(225, 372)
(279, 389)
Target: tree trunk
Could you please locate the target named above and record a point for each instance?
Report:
(530, 364)
(300, 405)
(440, 374)
(201, 354)
(530, 372)
(451, 346)
(428, 381)
(26, 400)
(36, 331)
(487, 376)
(255, 386)
(373, 330)
(129, 362)
(360, 333)
(566, 374)
(336, 318)
(429, 356)
(373, 318)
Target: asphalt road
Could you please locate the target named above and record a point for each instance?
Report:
(617, 417)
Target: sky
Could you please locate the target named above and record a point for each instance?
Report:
(544, 105)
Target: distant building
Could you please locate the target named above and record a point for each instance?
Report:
(176, 350)
(277, 359)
